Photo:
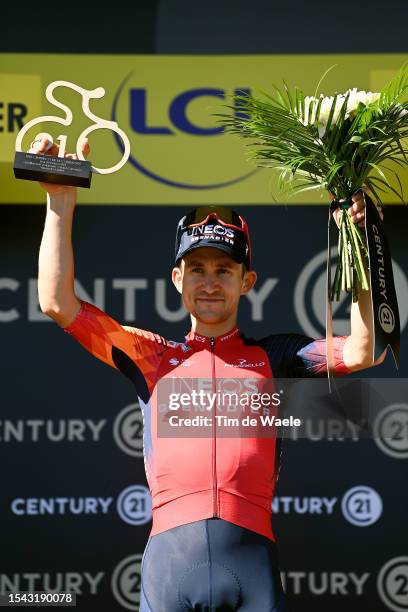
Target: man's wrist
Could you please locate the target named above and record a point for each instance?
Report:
(61, 199)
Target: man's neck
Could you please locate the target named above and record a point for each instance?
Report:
(213, 330)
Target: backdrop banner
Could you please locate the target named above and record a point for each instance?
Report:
(75, 511)
(167, 106)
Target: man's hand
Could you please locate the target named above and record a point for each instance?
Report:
(356, 211)
(42, 146)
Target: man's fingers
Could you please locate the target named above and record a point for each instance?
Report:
(356, 210)
(39, 145)
(358, 203)
(358, 216)
(85, 148)
(54, 150)
(43, 146)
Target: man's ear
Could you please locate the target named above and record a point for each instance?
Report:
(248, 281)
(177, 278)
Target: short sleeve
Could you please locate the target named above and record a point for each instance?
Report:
(310, 359)
(299, 356)
(122, 347)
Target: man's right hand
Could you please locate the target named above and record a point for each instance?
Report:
(41, 147)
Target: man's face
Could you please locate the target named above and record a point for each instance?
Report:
(211, 284)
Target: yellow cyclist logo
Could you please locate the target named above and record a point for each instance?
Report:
(98, 123)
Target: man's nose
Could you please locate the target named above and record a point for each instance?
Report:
(210, 282)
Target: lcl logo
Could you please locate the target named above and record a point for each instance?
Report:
(177, 111)
(170, 134)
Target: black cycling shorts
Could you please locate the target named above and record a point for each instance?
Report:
(210, 565)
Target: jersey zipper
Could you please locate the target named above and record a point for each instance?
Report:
(214, 425)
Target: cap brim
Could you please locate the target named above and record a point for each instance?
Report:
(212, 245)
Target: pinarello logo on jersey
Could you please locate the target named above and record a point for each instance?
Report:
(243, 363)
(230, 335)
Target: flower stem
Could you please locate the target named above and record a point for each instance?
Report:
(351, 269)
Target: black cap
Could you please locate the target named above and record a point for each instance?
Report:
(216, 227)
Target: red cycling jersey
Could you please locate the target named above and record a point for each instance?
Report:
(194, 478)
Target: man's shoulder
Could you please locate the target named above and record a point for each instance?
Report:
(282, 351)
(281, 341)
(154, 337)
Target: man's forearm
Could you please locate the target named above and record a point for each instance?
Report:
(56, 261)
(359, 346)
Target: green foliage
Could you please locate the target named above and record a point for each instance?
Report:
(338, 150)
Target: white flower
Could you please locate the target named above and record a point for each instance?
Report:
(310, 108)
(358, 96)
(373, 97)
(325, 110)
(355, 97)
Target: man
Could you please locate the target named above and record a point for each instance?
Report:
(211, 546)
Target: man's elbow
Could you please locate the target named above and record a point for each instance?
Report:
(51, 308)
(365, 361)
(62, 314)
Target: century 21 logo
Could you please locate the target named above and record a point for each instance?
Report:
(176, 150)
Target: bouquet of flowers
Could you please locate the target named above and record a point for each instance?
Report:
(340, 143)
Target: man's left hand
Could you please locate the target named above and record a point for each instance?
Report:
(356, 211)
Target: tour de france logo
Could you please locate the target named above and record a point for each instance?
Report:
(98, 124)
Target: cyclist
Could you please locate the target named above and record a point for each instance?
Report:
(211, 546)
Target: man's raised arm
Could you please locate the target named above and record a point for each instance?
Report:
(358, 348)
(56, 260)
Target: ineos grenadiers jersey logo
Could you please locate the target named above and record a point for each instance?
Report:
(179, 123)
(310, 303)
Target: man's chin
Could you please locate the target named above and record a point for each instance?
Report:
(209, 318)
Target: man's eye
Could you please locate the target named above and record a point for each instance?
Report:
(197, 270)
(223, 271)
